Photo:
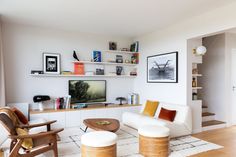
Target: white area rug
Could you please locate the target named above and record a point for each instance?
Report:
(127, 145)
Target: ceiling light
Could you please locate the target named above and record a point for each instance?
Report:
(200, 50)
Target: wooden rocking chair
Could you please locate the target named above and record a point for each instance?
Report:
(42, 142)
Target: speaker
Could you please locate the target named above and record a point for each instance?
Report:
(40, 98)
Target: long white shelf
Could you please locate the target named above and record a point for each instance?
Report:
(119, 51)
(196, 88)
(51, 75)
(196, 75)
(197, 101)
(105, 63)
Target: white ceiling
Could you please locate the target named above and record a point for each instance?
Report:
(127, 18)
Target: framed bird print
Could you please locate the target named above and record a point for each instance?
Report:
(162, 68)
(51, 63)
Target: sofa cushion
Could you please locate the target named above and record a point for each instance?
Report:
(150, 108)
(181, 114)
(176, 128)
(167, 114)
(146, 120)
(132, 119)
(137, 120)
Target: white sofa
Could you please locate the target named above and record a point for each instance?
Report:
(182, 124)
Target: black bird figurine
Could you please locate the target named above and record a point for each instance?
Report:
(75, 56)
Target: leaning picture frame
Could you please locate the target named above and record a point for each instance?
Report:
(163, 68)
(51, 63)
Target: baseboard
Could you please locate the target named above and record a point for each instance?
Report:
(197, 130)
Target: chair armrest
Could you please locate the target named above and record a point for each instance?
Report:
(37, 125)
(38, 135)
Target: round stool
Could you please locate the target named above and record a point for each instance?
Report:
(154, 141)
(98, 144)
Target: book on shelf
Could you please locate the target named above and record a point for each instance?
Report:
(135, 58)
(79, 68)
(134, 47)
(66, 73)
(67, 101)
(97, 56)
(133, 98)
(62, 102)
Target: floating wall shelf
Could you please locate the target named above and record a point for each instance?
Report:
(121, 52)
(115, 76)
(105, 63)
(196, 75)
(196, 88)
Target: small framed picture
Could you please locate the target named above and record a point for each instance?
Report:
(112, 45)
(51, 63)
(163, 68)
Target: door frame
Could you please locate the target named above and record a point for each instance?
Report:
(232, 109)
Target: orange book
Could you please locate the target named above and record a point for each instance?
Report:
(79, 68)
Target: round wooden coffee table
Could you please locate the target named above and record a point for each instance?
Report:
(102, 124)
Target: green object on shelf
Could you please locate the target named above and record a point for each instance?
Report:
(103, 123)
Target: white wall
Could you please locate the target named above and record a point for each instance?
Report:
(23, 48)
(196, 106)
(24, 41)
(213, 80)
(174, 38)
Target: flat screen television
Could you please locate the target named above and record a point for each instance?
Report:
(87, 91)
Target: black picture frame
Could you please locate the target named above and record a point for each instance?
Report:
(163, 68)
(51, 63)
(112, 45)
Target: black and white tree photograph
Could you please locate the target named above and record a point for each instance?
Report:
(162, 68)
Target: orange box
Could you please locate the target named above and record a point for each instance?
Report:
(78, 68)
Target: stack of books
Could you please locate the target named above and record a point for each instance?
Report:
(134, 47)
(133, 99)
(78, 68)
(62, 102)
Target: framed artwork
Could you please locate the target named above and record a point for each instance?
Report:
(51, 63)
(162, 68)
(112, 45)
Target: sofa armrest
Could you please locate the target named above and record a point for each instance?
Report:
(188, 120)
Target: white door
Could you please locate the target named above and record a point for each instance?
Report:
(233, 74)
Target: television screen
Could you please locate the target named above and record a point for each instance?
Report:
(87, 91)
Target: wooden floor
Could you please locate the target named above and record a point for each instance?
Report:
(225, 137)
(1, 153)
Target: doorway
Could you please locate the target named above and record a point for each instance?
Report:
(233, 76)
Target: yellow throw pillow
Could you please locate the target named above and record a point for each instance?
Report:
(150, 108)
(28, 142)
